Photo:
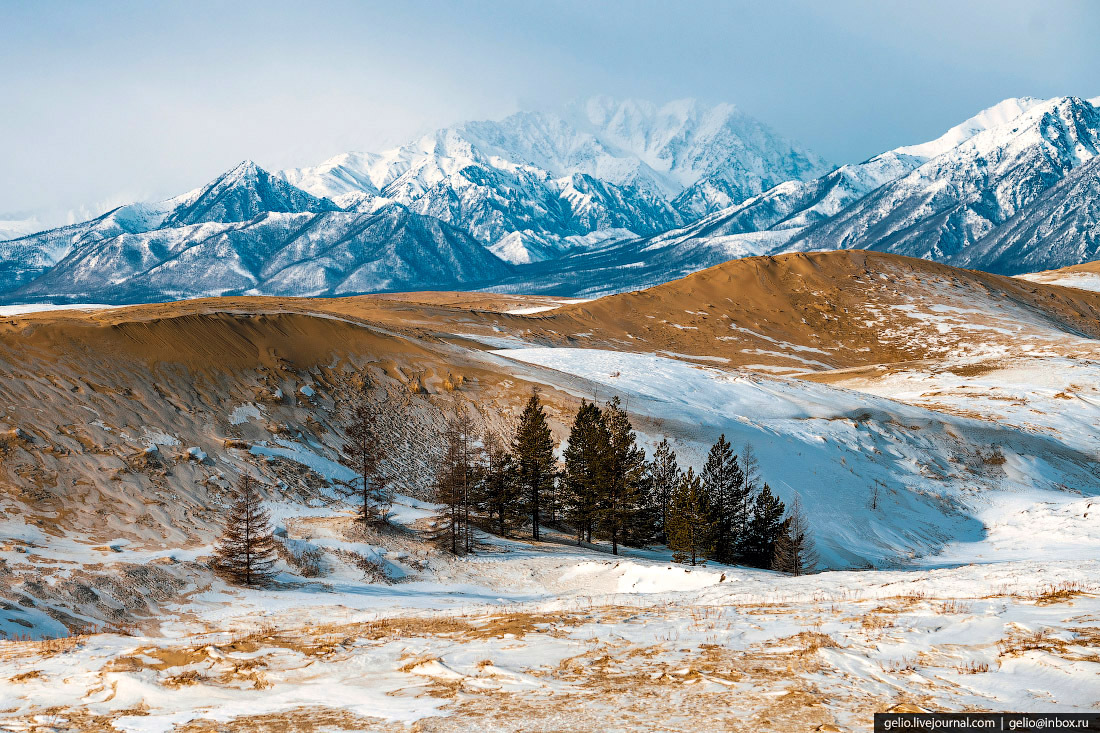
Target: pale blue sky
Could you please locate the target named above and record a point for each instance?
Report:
(104, 102)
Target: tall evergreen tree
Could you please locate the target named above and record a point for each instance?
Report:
(794, 548)
(500, 493)
(533, 451)
(622, 498)
(724, 485)
(764, 529)
(664, 475)
(585, 473)
(245, 552)
(689, 521)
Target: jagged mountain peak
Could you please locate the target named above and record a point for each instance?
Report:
(1004, 111)
(245, 169)
(497, 177)
(241, 194)
(1078, 121)
(943, 207)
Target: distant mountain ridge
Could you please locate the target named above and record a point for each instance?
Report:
(600, 197)
(552, 176)
(942, 208)
(775, 221)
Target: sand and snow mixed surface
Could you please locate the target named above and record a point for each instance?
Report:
(996, 608)
(956, 494)
(547, 638)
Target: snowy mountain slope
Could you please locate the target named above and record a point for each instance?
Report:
(245, 231)
(762, 224)
(529, 188)
(998, 115)
(338, 176)
(831, 447)
(1061, 226)
(23, 259)
(633, 264)
(946, 205)
(494, 205)
(717, 155)
(660, 149)
(241, 194)
(583, 201)
(278, 253)
(796, 204)
(595, 165)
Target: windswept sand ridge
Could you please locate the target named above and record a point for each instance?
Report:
(791, 313)
(811, 312)
(121, 429)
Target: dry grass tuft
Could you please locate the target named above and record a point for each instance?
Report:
(304, 559)
(874, 621)
(972, 668)
(17, 648)
(410, 666)
(899, 666)
(373, 571)
(953, 606)
(811, 641)
(1042, 641)
(1059, 592)
(184, 679)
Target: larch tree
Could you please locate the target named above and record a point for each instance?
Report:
(533, 453)
(664, 475)
(457, 482)
(689, 521)
(745, 500)
(363, 453)
(447, 486)
(794, 551)
(245, 552)
(586, 459)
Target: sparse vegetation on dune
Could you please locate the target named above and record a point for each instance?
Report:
(447, 547)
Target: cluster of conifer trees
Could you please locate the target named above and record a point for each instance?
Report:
(603, 489)
(727, 513)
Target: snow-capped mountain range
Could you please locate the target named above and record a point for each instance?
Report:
(941, 209)
(536, 183)
(600, 196)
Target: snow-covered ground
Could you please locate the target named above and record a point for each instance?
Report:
(15, 310)
(543, 308)
(973, 491)
(1079, 280)
(524, 636)
(887, 483)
